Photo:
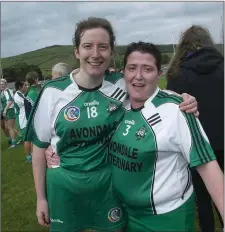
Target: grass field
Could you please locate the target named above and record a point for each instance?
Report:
(18, 196)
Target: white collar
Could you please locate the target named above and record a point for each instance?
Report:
(152, 97)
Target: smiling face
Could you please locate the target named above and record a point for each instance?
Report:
(141, 76)
(94, 52)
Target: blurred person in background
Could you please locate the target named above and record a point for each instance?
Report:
(4, 128)
(60, 69)
(8, 113)
(30, 98)
(21, 90)
(197, 68)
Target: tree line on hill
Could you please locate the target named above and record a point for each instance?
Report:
(19, 70)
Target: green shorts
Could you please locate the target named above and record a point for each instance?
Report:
(181, 219)
(21, 131)
(82, 201)
(10, 114)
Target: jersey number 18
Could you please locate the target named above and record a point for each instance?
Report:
(92, 112)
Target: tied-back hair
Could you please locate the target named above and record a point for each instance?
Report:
(191, 40)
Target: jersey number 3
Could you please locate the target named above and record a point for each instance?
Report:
(127, 130)
(92, 112)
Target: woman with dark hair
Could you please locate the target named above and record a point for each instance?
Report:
(197, 68)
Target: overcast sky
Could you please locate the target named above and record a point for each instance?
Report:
(28, 26)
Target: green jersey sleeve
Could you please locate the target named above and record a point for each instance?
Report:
(39, 124)
(193, 141)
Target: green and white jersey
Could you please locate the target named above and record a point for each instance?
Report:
(151, 152)
(20, 109)
(7, 95)
(77, 122)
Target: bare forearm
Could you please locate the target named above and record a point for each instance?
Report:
(214, 182)
(39, 169)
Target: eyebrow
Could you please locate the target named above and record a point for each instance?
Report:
(87, 43)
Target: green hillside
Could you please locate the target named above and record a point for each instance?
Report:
(45, 58)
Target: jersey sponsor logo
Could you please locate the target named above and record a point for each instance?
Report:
(56, 220)
(93, 103)
(130, 122)
(115, 214)
(72, 113)
(95, 131)
(140, 134)
(125, 151)
(125, 165)
(112, 107)
(86, 136)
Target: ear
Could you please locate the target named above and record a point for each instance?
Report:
(76, 53)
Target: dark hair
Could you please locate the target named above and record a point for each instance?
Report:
(32, 77)
(19, 84)
(91, 23)
(193, 39)
(144, 48)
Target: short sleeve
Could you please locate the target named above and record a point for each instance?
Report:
(39, 124)
(8, 95)
(193, 141)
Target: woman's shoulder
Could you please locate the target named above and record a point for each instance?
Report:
(58, 83)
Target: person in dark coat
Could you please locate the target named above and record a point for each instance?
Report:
(197, 68)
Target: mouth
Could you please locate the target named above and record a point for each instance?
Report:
(94, 64)
(138, 86)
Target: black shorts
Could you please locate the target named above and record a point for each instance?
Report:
(2, 117)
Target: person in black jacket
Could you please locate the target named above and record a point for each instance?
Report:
(197, 68)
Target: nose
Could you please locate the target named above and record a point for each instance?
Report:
(138, 75)
(95, 52)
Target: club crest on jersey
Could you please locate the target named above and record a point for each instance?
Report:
(115, 214)
(112, 107)
(72, 113)
(140, 134)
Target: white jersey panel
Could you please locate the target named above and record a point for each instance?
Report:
(66, 96)
(170, 185)
(42, 116)
(19, 100)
